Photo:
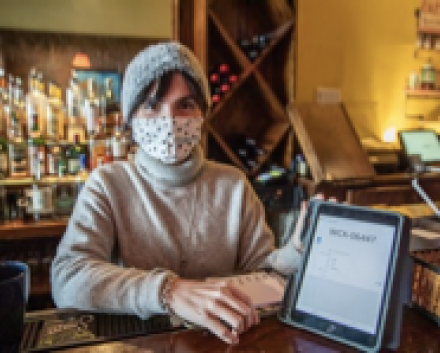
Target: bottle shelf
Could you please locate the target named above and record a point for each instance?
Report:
(48, 180)
(426, 30)
(420, 93)
(41, 287)
(27, 230)
(255, 104)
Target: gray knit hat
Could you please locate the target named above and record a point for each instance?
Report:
(154, 61)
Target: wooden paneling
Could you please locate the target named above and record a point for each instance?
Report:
(329, 142)
(52, 53)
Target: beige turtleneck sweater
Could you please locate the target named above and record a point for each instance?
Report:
(134, 222)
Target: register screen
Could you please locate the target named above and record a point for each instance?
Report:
(423, 143)
(345, 276)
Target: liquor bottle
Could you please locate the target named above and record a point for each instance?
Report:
(9, 101)
(53, 115)
(3, 156)
(119, 147)
(53, 158)
(36, 102)
(83, 174)
(60, 110)
(109, 94)
(17, 151)
(108, 157)
(64, 200)
(62, 162)
(42, 196)
(91, 106)
(103, 114)
(3, 136)
(20, 106)
(73, 164)
(75, 122)
(97, 145)
(2, 93)
(428, 76)
(36, 146)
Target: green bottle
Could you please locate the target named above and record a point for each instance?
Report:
(73, 161)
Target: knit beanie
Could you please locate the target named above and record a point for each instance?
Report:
(154, 61)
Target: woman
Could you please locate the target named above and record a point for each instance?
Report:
(145, 234)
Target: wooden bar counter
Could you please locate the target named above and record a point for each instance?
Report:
(419, 334)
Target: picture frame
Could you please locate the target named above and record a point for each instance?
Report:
(100, 76)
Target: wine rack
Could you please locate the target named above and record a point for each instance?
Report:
(255, 104)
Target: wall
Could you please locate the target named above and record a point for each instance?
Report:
(47, 34)
(367, 49)
(130, 18)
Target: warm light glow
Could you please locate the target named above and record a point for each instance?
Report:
(81, 60)
(390, 134)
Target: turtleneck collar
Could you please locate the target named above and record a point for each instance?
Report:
(168, 174)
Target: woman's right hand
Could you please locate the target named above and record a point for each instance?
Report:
(215, 305)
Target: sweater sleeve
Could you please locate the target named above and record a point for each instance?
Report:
(82, 274)
(256, 249)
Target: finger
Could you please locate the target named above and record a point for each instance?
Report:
(214, 325)
(234, 298)
(333, 199)
(232, 318)
(252, 315)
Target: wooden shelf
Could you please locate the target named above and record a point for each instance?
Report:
(21, 230)
(254, 106)
(428, 30)
(420, 93)
(42, 287)
(238, 103)
(43, 181)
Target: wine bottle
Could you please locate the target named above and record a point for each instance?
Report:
(223, 69)
(232, 78)
(244, 44)
(215, 98)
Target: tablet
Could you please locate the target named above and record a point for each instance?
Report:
(343, 287)
(421, 142)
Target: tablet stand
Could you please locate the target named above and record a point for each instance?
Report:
(400, 293)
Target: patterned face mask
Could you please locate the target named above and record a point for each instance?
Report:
(169, 139)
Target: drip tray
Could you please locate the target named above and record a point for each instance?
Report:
(72, 329)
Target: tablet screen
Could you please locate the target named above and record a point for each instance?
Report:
(345, 276)
(424, 143)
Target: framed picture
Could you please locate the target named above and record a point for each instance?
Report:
(103, 79)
